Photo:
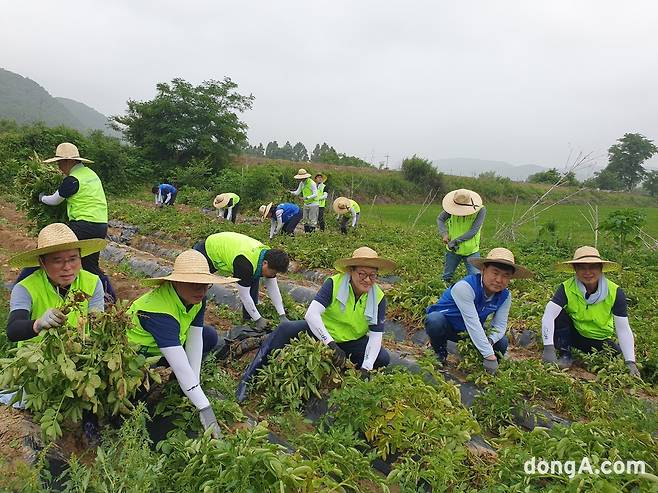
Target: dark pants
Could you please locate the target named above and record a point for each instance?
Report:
(440, 331)
(172, 199)
(566, 337)
(291, 224)
(234, 216)
(347, 218)
(321, 218)
(210, 341)
(85, 230)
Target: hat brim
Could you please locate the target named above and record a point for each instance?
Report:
(57, 158)
(339, 210)
(567, 266)
(267, 211)
(520, 272)
(451, 208)
(301, 177)
(221, 203)
(382, 264)
(200, 278)
(324, 177)
(31, 257)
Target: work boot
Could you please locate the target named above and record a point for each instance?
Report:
(565, 361)
(306, 228)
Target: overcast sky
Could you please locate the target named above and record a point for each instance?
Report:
(522, 81)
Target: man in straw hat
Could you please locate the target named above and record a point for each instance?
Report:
(227, 206)
(36, 300)
(309, 192)
(169, 321)
(459, 224)
(347, 314)
(248, 260)
(284, 217)
(585, 311)
(321, 183)
(86, 206)
(343, 205)
(466, 305)
(165, 194)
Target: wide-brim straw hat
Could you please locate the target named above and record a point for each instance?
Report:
(587, 255)
(462, 202)
(502, 256)
(324, 177)
(56, 237)
(365, 257)
(264, 210)
(192, 267)
(66, 150)
(301, 174)
(341, 205)
(221, 200)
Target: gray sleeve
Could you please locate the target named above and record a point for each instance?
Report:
(97, 301)
(441, 222)
(499, 321)
(464, 297)
(475, 227)
(20, 299)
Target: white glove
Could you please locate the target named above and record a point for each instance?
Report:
(51, 318)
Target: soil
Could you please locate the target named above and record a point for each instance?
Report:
(16, 431)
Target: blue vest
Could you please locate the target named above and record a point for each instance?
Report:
(166, 188)
(289, 210)
(484, 308)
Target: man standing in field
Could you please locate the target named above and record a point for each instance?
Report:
(464, 308)
(227, 206)
(165, 194)
(237, 255)
(585, 311)
(309, 192)
(320, 181)
(343, 205)
(459, 224)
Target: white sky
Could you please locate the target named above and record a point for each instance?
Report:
(518, 81)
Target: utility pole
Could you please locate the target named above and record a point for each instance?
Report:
(386, 156)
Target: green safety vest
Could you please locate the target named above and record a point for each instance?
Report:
(321, 202)
(308, 191)
(351, 324)
(592, 321)
(45, 296)
(355, 206)
(165, 300)
(88, 203)
(457, 226)
(222, 248)
(235, 197)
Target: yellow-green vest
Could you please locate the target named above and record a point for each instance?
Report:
(457, 226)
(350, 324)
(45, 296)
(88, 203)
(355, 206)
(222, 248)
(321, 202)
(162, 299)
(235, 197)
(307, 191)
(592, 321)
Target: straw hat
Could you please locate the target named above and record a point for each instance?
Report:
(301, 174)
(587, 255)
(324, 177)
(365, 257)
(221, 200)
(502, 256)
(462, 202)
(56, 237)
(341, 205)
(67, 150)
(264, 210)
(191, 266)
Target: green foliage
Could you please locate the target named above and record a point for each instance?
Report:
(625, 158)
(327, 154)
(553, 176)
(624, 227)
(420, 171)
(650, 183)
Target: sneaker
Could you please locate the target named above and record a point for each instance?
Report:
(564, 362)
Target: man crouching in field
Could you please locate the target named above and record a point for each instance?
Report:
(465, 306)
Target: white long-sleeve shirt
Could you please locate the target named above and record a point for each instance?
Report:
(314, 190)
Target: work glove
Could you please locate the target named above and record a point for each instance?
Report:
(339, 356)
(452, 244)
(445, 238)
(549, 356)
(41, 195)
(261, 323)
(632, 369)
(209, 421)
(364, 374)
(490, 365)
(283, 318)
(51, 318)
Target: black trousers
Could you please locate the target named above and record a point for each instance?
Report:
(321, 218)
(566, 336)
(234, 216)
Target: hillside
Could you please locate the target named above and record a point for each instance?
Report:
(88, 116)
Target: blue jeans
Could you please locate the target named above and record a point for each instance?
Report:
(452, 262)
(440, 331)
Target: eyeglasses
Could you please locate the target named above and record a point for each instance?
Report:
(61, 262)
(364, 275)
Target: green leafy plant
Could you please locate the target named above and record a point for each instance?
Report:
(624, 227)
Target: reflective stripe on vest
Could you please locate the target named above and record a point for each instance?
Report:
(45, 296)
(289, 210)
(355, 206)
(88, 203)
(349, 324)
(165, 300)
(457, 226)
(592, 321)
(321, 202)
(307, 191)
(222, 248)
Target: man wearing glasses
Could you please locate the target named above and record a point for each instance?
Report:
(347, 315)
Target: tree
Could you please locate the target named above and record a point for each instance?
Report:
(272, 149)
(185, 122)
(651, 183)
(254, 150)
(286, 152)
(606, 179)
(625, 158)
(299, 152)
(552, 176)
(420, 171)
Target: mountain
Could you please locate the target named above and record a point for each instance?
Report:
(25, 101)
